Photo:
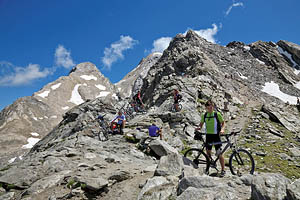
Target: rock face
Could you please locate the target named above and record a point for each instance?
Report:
(71, 163)
(132, 82)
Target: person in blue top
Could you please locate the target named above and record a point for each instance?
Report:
(120, 122)
(154, 131)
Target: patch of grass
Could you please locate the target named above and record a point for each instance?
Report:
(272, 162)
(186, 147)
(73, 184)
(83, 186)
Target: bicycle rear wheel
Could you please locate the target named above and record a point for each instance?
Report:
(103, 135)
(241, 162)
(179, 107)
(198, 157)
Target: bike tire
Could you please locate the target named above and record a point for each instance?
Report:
(198, 157)
(179, 107)
(173, 109)
(103, 135)
(241, 162)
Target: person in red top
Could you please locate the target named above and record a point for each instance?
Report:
(138, 100)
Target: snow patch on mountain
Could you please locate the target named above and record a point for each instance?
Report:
(76, 98)
(54, 87)
(103, 94)
(289, 56)
(101, 87)
(65, 108)
(31, 142)
(88, 77)
(272, 89)
(44, 94)
(34, 134)
(261, 62)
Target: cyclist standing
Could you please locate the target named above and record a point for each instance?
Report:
(214, 125)
(176, 97)
(138, 100)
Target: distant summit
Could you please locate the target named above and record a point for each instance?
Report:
(42, 111)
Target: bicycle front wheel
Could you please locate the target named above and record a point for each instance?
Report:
(241, 162)
(103, 135)
(198, 157)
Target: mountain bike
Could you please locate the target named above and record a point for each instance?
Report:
(138, 108)
(104, 128)
(240, 161)
(173, 107)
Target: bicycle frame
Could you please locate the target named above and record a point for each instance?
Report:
(228, 143)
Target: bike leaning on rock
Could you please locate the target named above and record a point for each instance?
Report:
(104, 128)
(240, 161)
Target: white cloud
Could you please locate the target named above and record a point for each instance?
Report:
(63, 57)
(115, 52)
(161, 44)
(23, 76)
(209, 33)
(233, 5)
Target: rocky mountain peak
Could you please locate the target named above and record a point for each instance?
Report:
(85, 68)
(133, 80)
(293, 52)
(253, 85)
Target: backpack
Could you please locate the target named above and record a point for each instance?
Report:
(218, 122)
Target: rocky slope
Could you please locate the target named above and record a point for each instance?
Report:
(71, 163)
(30, 118)
(132, 82)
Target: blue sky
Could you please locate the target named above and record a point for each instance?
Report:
(41, 40)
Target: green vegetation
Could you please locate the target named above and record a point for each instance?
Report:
(186, 147)
(73, 184)
(273, 149)
(70, 183)
(83, 186)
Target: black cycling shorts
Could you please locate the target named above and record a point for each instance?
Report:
(210, 138)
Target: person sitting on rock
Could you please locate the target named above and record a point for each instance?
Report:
(120, 124)
(154, 131)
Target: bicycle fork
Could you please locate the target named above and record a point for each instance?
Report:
(238, 159)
